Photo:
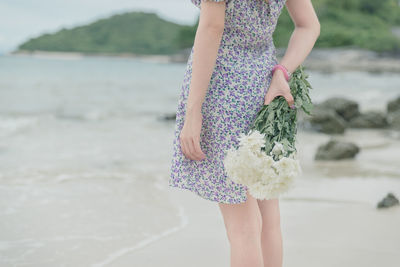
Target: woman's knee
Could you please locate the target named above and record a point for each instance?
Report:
(244, 232)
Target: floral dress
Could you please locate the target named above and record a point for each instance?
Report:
(236, 92)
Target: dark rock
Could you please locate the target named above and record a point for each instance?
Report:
(370, 119)
(168, 117)
(336, 150)
(326, 120)
(346, 108)
(394, 119)
(394, 105)
(389, 201)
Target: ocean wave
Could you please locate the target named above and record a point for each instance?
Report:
(12, 124)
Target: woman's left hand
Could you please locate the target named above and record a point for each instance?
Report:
(279, 87)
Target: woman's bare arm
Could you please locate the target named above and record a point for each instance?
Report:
(306, 32)
(206, 44)
(205, 49)
(302, 40)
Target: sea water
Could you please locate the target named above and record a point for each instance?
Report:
(84, 158)
(84, 155)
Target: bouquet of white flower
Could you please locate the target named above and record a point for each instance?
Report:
(266, 159)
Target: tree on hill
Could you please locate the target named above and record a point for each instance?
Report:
(356, 23)
(134, 32)
(352, 23)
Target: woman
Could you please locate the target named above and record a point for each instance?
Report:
(227, 80)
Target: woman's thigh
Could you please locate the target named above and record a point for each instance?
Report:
(270, 213)
(242, 219)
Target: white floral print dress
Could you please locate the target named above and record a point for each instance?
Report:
(236, 92)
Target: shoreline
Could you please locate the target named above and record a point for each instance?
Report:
(322, 59)
(157, 58)
(349, 59)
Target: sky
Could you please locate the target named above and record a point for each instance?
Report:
(24, 19)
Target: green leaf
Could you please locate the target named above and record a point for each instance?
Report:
(278, 121)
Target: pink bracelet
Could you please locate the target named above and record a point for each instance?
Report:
(284, 69)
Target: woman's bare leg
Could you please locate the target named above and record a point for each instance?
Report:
(243, 228)
(271, 235)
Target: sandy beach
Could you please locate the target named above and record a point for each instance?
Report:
(316, 233)
(84, 165)
(326, 221)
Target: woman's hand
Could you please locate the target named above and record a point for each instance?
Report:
(206, 43)
(279, 87)
(190, 135)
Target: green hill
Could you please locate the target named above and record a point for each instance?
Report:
(357, 23)
(364, 24)
(134, 32)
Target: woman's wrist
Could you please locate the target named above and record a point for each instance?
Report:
(279, 76)
(279, 68)
(279, 73)
(193, 108)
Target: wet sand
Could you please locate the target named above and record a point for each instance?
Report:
(316, 231)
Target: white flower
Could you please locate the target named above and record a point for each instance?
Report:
(287, 165)
(267, 161)
(254, 140)
(264, 177)
(243, 165)
(259, 191)
(277, 150)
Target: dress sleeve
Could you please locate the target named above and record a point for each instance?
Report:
(198, 2)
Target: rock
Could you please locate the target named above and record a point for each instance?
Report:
(336, 150)
(393, 113)
(370, 119)
(389, 201)
(168, 117)
(394, 119)
(346, 108)
(394, 105)
(326, 120)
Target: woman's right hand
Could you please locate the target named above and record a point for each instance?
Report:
(279, 87)
(190, 135)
